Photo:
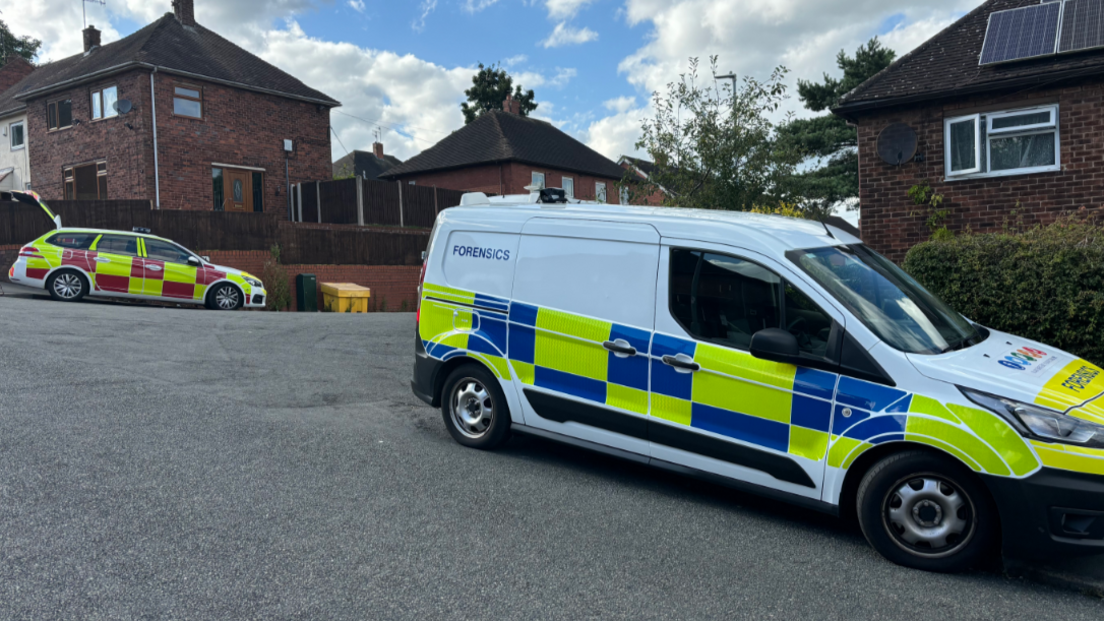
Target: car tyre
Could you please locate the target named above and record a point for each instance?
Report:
(925, 511)
(474, 408)
(67, 286)
(226, 297)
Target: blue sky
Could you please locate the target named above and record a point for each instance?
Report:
(404, 65)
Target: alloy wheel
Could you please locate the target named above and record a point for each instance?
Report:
(226, 298)
(68, 286)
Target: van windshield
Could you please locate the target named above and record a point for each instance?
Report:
(887, 300)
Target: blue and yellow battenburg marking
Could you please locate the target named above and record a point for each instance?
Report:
(803, 412)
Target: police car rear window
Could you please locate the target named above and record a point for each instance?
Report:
(76, 241)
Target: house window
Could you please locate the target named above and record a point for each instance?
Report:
(188, 101)
(569, 187)
(600, 192)
(538, 180)
(87, 182)
(103, 103)
(624, 192)
(18, 139)
(59, 114)
(216, 178)
(994, 144)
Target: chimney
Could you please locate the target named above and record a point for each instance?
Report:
(511, 105)
(185, 11)
(91, 38)
(377, 149)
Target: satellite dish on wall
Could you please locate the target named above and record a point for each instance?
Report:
(897, 144)
(123, 106)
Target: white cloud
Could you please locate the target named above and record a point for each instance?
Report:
(565, 9)
(515, 60)
(568, 35)
(357, 5)
(621, 104)
(534, 79)
(428, 6)
(616, 134)
(475, 6)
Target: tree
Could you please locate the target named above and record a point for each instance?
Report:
(11, 46)
(490, 86)
(716, 148)
(826, 142)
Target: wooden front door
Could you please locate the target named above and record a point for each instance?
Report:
(237, 190)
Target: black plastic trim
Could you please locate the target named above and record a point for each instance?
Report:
(751, 488)
(426, 369)
(1025, 507)
(561, 410)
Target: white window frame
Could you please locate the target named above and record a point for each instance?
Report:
(1004, 132)
(600, 192)
(11, 135)
(569, 192)
(976, 118)
(537, 179)
(99, 99)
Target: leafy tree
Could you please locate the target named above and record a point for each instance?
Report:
(716, 148)
(12, 46)
(490, 86)
(826, 141)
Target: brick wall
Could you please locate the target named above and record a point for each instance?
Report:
(239, 128)
(511, 178)
(891, 224)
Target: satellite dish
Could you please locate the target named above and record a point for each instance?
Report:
(897, 144)
(123, 106)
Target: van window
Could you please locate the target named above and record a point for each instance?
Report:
(726, 300)
(597, 277)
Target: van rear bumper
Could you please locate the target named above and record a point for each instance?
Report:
(1053, 513)
(426, 369)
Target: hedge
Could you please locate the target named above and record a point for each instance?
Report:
(1045, 284)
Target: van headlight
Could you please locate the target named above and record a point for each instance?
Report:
(253, 282)
(1043, 423)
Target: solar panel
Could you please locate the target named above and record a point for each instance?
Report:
(1021, 33)
(1082, 26)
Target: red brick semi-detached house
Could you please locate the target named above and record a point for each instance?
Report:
(1012, 132)
(226, 133)
(502, 152)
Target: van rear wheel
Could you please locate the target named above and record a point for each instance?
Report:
(474, 408)
(925, 511)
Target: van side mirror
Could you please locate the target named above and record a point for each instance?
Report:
(776, 345)
(194, 262)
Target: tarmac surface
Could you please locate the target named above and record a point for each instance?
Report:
(190, 464)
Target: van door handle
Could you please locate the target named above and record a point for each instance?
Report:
(678, 363)
(620, 347)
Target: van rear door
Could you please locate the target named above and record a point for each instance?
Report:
(581, 317)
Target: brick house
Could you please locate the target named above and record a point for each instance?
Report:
(641, 169)
(15, 168)
(502, 152)
(228, 132)
(1001, 141)
(365, 164)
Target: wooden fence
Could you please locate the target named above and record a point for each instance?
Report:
(377, 202)
(335, 244)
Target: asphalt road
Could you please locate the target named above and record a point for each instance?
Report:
(188, 464)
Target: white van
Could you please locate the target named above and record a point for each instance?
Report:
(778, 356)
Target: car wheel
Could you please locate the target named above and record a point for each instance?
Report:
(925, 511)
(225, 297)
(67, 286)
(474, 408)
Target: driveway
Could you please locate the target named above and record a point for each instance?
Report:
(188, 464)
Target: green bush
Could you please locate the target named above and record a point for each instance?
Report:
(1046, 283)
(275, 278)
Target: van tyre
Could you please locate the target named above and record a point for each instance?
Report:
(474, 408)
(225, 297)
(926, 511)
(67, 286)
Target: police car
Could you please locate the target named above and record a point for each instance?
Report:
(775, 355)
(71, 263)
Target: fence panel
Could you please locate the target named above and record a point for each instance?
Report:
(339, 201)
(381, 203)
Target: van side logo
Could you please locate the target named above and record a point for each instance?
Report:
(475, 252)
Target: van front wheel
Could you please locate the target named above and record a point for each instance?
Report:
(474, 408)
(922, 510)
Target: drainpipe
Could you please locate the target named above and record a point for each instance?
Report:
(156, 168)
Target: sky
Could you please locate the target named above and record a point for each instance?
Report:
(401, 66)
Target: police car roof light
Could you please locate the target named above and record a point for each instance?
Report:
(553, 196)
(139, 229)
